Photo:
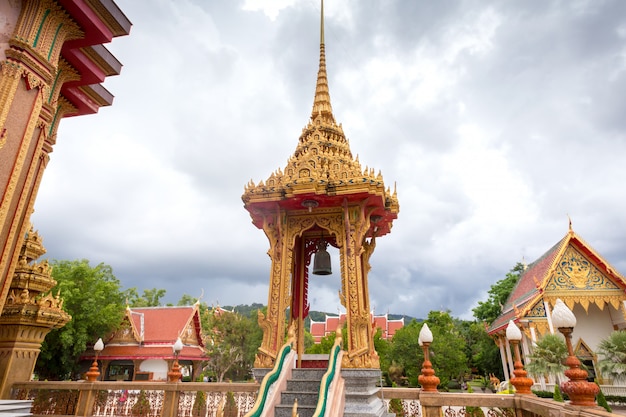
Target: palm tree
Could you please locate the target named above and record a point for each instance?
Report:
(547, 358)
(613, 349)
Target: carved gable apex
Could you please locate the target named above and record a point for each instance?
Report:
(126, 334)
(191, 334)
(575, 272)
(581, 276)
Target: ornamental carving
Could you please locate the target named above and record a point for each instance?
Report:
(575, 272)
(538, 310)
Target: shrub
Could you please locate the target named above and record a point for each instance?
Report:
(602, 401)
(543, 394)
(454, 384)
(230, 408)
(558, 397)
(474, 412)
(199, 405)
(616, 399)
(142, 406)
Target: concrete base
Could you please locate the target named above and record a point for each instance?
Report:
(361, 388)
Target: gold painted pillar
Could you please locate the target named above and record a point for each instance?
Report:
(355, 293)
(31, 76)
(273, 323)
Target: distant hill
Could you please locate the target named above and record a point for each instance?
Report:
(247, 310)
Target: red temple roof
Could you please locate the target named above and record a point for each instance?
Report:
(150, 332)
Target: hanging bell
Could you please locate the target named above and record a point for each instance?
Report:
(321, 261)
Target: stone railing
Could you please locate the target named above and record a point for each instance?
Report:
(434, 404)
(606, 389)
(145, 399)
(190, 399)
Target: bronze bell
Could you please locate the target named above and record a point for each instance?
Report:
(321, 261)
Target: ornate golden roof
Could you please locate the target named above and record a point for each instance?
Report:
(322, 167)
(572, 271)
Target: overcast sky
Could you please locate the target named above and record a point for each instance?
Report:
(496, 120)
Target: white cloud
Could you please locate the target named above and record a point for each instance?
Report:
(271, 8)
(496, 121)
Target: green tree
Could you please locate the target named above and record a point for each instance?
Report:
(447, 350)
(547, 357)
(93, 297)
(482, 353)
(448, 347)
(613, 352)
(186, 300)
(382, 347)
(326, 343)
(498, 294)
(405, 353)
(150, 298)
(232, 342)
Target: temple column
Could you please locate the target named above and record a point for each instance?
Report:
(273, 324)
(30, 312)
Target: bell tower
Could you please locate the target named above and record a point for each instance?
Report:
(323, 196)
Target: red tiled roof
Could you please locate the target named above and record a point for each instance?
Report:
(160, 327)
(526, 287)
(162, 324)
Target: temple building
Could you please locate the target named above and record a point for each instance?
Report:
(586, 282)
(141, 349)
(52, 62)
(388, 328)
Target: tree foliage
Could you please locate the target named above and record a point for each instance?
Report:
(149, 298)
(613, 352)
(447, 350)
(94, 299)
(232, 342)
(548, 356)
(489, 310)
(448, 347)
(480, 349)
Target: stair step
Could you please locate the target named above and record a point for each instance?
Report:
(304, 398)
(308, 374)
(284, 410)
(300, 385)
(15, 408)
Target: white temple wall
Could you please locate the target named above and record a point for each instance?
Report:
(593, 325)
(158, 367)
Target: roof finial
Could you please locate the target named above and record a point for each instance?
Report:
(321, 103)
(570, 223)
(322, 25)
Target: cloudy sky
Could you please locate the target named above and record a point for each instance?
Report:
(496, 120)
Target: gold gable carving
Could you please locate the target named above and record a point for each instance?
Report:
(125, 333)
(575, 272)
(577, 280)
(583, 351)
(538, 310)
(188, 335)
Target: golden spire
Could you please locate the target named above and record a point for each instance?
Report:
(321, 104)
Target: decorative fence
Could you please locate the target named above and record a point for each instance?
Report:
(123, 399)
(195, 399)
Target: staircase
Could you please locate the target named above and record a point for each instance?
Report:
(304, 385)
(15, 408)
